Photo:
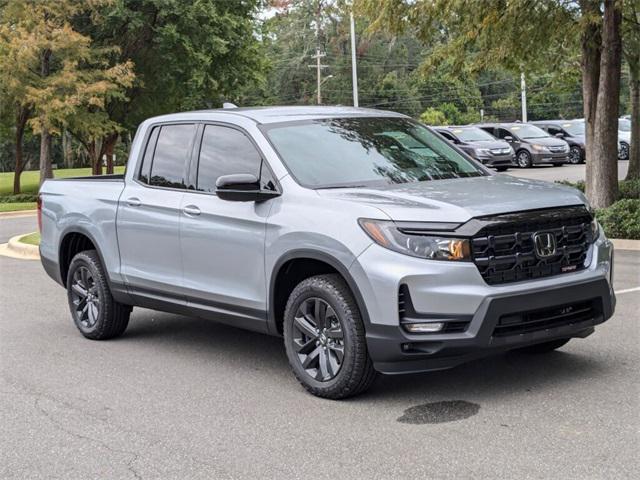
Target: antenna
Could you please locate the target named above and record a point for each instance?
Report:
(229, 105)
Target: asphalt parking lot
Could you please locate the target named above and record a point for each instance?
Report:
(178, 397)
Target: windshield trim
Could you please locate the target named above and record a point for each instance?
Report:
(266, 127)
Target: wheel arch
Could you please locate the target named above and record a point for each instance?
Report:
(280, 270)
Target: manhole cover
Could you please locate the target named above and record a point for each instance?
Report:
(439, 412)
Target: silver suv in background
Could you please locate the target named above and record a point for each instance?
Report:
(480, 145)
(532, 145)
(361, 237)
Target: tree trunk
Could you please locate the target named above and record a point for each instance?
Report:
(67, 149)
(22, 116)
(591, 43)
(45, 136)
(96, 158)
(602, 183)
(634, 149)
(108, 145)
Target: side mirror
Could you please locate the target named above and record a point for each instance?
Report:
(508, 138)
(242, 187)
(559, 135)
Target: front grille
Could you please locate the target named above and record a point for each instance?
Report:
(544, 319)
(504, 251)
(558, 149)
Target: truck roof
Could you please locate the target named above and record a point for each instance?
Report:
(281, 114)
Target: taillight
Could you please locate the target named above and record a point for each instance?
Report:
(39, 203)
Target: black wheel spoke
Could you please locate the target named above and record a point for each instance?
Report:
(318, 339)
(305, 327)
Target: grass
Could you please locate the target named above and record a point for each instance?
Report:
(31, 239)
(29, 180)
(15, 207)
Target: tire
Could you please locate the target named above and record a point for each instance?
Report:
(544, 347)
(523, 159)
(575, 155)
(321, 320)
(502, 169)
(100, 317)
(623, 153)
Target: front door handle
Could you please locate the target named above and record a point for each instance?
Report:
(134, 202)
(191, 210)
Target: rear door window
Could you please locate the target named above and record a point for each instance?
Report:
(172, 152)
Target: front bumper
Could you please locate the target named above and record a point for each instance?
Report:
(498, 160)
(547, 157)
(456, 291)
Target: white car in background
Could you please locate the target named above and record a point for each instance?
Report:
(624, 138)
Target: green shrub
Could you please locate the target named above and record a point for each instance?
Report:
(629, 189)
(20, 198)
(622, 219)
(626, 188)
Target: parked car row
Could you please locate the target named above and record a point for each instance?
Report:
(504, 145)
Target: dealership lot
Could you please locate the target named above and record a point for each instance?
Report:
(178, 397)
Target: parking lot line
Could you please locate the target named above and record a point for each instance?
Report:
(627, 290)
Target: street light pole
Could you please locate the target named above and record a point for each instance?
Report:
(523, 94)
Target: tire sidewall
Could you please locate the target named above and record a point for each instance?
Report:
(301, 293)
(84, 260)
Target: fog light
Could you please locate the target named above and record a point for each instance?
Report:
(430, 327)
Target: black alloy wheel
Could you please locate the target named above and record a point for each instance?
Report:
(85, 298)
(318, 339)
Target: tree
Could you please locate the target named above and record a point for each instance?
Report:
(529, 36)
(187, 55)
(631, 49)
(63, 76)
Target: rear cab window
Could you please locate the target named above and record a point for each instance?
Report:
(167, 155)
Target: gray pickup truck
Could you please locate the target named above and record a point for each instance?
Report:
(363, 238)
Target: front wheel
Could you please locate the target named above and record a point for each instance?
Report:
(96, 314)
(623, 152)
(524, 159)
(575, 155)
(325, 339)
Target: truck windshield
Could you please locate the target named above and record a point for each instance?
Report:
(365, 151)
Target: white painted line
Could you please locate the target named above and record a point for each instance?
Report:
(628, 290)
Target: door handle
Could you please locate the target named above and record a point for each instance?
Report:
(134, 202)
(191, 210)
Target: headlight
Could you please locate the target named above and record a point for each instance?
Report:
(387, 235)
(483, 152)
(539, 148)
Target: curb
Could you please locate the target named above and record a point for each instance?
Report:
(623, 244)
(18, 213)
(16, 249)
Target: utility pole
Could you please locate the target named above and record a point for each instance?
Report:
(319, 54)
(354, 70)
(319, 66)
(523, 94)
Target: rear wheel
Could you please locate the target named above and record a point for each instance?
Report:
(545, 347)
(524, 159)
(623, 152)
(96, 314)
(325, 339)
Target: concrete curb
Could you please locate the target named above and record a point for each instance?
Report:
(16, 249)
(18, 213)
(623, 244)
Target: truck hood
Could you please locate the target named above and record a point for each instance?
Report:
(458, 200)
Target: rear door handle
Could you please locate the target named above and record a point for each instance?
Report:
(134, 202)
(191, 210)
